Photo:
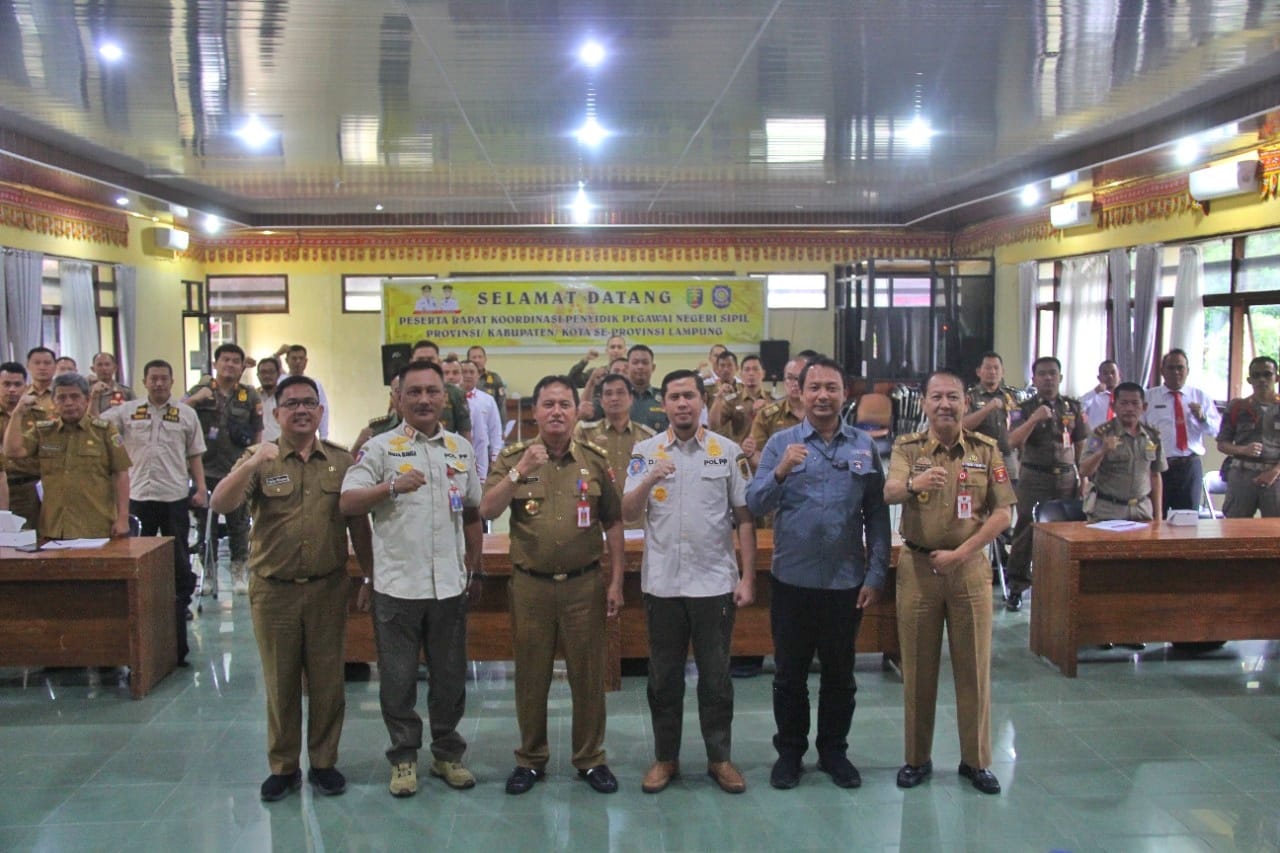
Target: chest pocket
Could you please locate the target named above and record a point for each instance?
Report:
(97, 449)
(331, 482)
(529, 500)
(277, 485)
(719, 472)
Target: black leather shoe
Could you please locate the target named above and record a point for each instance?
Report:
(1013, 601)
(910, 775)
(327, 780)
(601, 778)
(786, 772)
(279, 786)
(984, 780)
(522, 779)
(841, 770)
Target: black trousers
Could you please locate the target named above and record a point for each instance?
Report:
(1183, 482)
(172, 518)
(805, 621)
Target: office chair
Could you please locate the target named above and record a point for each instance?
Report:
(1072, 510)
(874, 414)
(1213, 484)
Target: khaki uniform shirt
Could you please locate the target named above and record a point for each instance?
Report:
(229, 422)
(117, 392)
(996, 423)
(1124, 477)
(44, 401)
(774, 417)
(491, 383)
(418, 548)
(932, 519)
(617, 446)
(1052, 442)
(688, 539)
(1246, 421)
(78, 463)
(298, 531)
(26, 469)
(736, 413)
(545, 536)
(160, 440)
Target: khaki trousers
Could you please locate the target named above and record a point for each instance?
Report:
(570, 614)
(961, 600)
(301, 630)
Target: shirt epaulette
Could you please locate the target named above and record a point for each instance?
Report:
(1151, 431)
(46, 424)
(913, 438)
(645, 430)
(977, 437)
(771, 410)
(382, 420)
(512, 450)
(595, 448)
(1101, 429)
(335, 445)
(98, 422)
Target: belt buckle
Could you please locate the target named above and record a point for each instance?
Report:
(560, 576)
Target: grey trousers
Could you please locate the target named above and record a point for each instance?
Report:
(439, 627)
(673, 624)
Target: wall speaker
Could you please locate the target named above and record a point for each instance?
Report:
(774, 356)
(394, 357)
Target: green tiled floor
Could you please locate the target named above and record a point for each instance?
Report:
(1146, 752)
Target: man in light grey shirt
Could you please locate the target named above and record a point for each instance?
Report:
(691, 486)
(419, 482)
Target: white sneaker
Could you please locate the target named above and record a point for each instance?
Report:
(404, 780)
(239, 577)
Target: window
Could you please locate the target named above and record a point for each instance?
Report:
(104, 301)
(796, 291)
(362, 294)
(1047, 307)
(248, 294)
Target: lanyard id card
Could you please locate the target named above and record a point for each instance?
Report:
(455, 494)
(964, 499)
(584, 508)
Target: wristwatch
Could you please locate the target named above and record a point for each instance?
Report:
(514, 477)
(910, 489)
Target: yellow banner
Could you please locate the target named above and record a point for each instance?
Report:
(542, 314)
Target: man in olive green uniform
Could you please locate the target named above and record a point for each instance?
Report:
(490, 381)
(41, 364)
(1250, 436)
(1123, 460)
(299, 587)
(615, 433)
(563, 502)
(1049, 430)
(230, 414)
(955, 495)
(733, 408)
(991, 406)
(105, 390)
(21, 475)
(646, 405)
(778, 416)
(83, 465)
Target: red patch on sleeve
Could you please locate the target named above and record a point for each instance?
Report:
(1001, 474)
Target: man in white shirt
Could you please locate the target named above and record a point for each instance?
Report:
(419, 482)
(1185, 416)
(486, 420)
(1098, 402)
(295, 356)
(268, 376)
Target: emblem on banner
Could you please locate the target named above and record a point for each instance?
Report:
(694, 297)
(721, 296)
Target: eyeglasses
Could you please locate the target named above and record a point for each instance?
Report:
(308, 404)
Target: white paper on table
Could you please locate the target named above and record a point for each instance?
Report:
(633, 534)
(68, 544)
(1118, 524)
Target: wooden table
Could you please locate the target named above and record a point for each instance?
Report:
(108, 606)
(1218, 580)
(489, 619)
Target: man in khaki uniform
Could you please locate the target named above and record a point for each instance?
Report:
(20, 475)
(955, 493)
(733, 409)
(1250, 436)
(41, 364)
(992, 403)
(1123, 462)
(615, 433)
(421, 485)
(563, 502)
(105, 390)
(83, 465)
(298, 589)
(778, 416)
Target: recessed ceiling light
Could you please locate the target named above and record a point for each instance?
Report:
(212, 224)
(1029, 195)
(254, 133)
(122, 200)
(268, 232)
(110, 51)
(1187, 151)
(591, 54)
(377, 207)
(591, 133)
(917, 133)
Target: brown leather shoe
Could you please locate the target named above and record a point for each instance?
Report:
(727, 777)
(660, 776)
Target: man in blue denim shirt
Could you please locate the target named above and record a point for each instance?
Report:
(825, 484)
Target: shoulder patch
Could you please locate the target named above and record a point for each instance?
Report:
(980, 438)
(512, 450)
(335, 445)
(99, 423)
(46, 424)
(595, 448)
(646, 431)
(380, 421)
(771, 410)
(912, 438)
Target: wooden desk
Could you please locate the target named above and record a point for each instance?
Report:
(489, 619)
(108, 606)
(1218, 580)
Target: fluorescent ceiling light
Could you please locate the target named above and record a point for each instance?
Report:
(591, 133)
(212, 224)
(1029, 195)
(916, 134)
(110, 51)
(1187, 151)
(122, 200)
(591, 54)
(795, 140)
(254, 133)
(581, 207)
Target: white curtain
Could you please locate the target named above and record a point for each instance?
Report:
(1187, 325)
(1028, 272)
(1083, 321)
(22, 277)
(1146, 292)
(127, 301)
(1121, 318)
(79, 321)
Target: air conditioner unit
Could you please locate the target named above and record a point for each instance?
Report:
(1072, 214)
(171, 239)
(1225, 179)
